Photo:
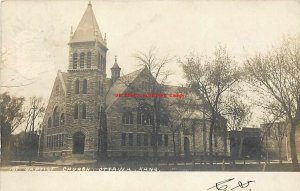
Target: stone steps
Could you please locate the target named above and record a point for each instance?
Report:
(75, 159)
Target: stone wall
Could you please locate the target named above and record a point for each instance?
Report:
(57, 99)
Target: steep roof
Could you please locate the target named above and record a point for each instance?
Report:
(63, 78)
(88, 29)
(121, 85)
(115, 66)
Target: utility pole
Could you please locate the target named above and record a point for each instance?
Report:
(31, 134)
(204, 135)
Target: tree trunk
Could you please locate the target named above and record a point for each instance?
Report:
(279, 152)
(5, 145)
(6, 152)
(225, 137)
(156, 128)
(235, 147)
(241, 147)
(154, 147)
(174, 148)
(211, 142)
(194, 146)
(293, 146)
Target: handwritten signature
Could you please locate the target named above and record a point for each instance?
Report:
(223, 185)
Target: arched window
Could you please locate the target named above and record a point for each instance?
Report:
(127, 118)
(77, 87)
(62, 119)
(82, 60)
(147, 118)
(89, 60)
(104, 64)
(55, 117)
(84, 89)
(49, 122)
(99, 63)
(76, 111)
(145, 115)
(98, 112)
(75, 60)
(101, 88)
(83, 111)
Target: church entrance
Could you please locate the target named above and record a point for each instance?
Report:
(78, 143)
(186, 147)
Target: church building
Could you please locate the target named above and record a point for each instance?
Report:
(81, 95)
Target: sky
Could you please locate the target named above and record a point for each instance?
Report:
(35, 34)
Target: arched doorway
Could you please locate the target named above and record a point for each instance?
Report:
(78, 143)
(186, 147)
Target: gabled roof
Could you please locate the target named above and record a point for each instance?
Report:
(63, 78)
(120, 86)
(88, 29)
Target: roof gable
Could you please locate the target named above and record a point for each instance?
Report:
(121, 85)
(63, 79)
(131, 80)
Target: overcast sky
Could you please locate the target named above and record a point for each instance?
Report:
(35, 33)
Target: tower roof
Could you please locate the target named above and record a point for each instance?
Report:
(115, 66)
(88, 29)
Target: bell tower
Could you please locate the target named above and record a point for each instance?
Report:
(86, 83)
(87, 48)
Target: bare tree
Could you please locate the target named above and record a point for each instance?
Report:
(11, 116)
(179, 111)
(274, 129)
(211, 79)
(155, 76)
(238, 115)
(36, 110)
(33, 119)
(276, 77)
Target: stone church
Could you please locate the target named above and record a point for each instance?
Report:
(72, 125)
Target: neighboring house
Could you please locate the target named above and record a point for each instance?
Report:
(245, 144)
(276, 139)
(24, 146)
(79, 96)
(297, 139)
